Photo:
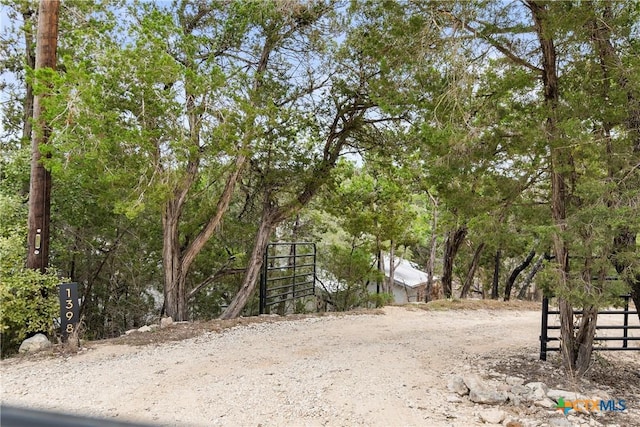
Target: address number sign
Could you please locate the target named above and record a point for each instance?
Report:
(69, 310)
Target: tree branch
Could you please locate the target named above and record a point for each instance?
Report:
(483, 34)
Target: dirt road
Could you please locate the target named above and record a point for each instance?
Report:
(389, 369)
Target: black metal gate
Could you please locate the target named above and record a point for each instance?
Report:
(288, 273)
(625, 327)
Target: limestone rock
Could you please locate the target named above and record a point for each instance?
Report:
(514, 381)
(457, 385)
(479, 392)
(559, 422)
(556, 394)
(453, 398)
(166, 321)
(546, 403)
(145, 328)
(492, 416)
(538, 390)
(537, 385)
(35, 343)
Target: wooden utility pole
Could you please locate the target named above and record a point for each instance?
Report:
(40, 182)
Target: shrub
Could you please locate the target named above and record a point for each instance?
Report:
(381, 299)
(28, 299)
(28, 305)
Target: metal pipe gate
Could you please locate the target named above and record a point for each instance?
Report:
(291, 270)
(625, 327)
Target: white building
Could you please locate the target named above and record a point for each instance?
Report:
(409, 282)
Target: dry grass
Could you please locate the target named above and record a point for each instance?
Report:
(475, 304)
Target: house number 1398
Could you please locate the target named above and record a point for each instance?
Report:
(68, 309)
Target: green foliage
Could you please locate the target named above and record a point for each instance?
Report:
(380, 300)
(23, 308)
(347, 271)
(140, 98)
(28, 299)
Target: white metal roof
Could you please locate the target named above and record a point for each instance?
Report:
(406, 272)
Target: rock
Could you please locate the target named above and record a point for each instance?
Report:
(546, 403)
(556, 394)
(538, 390)
(166, 321)
(559, 422)
(453, 398)
(521, 390)
(130, 331)
(519, 393)
(457, 385)
(35, 343)
(514, 381)
(513, 423)
(145, 328)
(515, 399)
(479, 392)
(492, 416)
(537, 385)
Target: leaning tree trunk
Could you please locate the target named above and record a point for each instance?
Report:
(515, 273)
(536, 267)
(472, 270)
(267, 223)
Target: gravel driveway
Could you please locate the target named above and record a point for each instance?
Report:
(357, 370)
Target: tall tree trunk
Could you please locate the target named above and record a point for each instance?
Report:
(392, 268)
(268, 221)
(496, 275)
(515, 273)
(576, 348)
(40, 179)
(472, 270)
(452, 244)
(380, 267)
(174, 286)
(431, 265)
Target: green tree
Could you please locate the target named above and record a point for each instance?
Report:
(371, 203)
(295, 161)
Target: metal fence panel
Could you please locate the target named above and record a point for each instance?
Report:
(545, 338)
(289, 276)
